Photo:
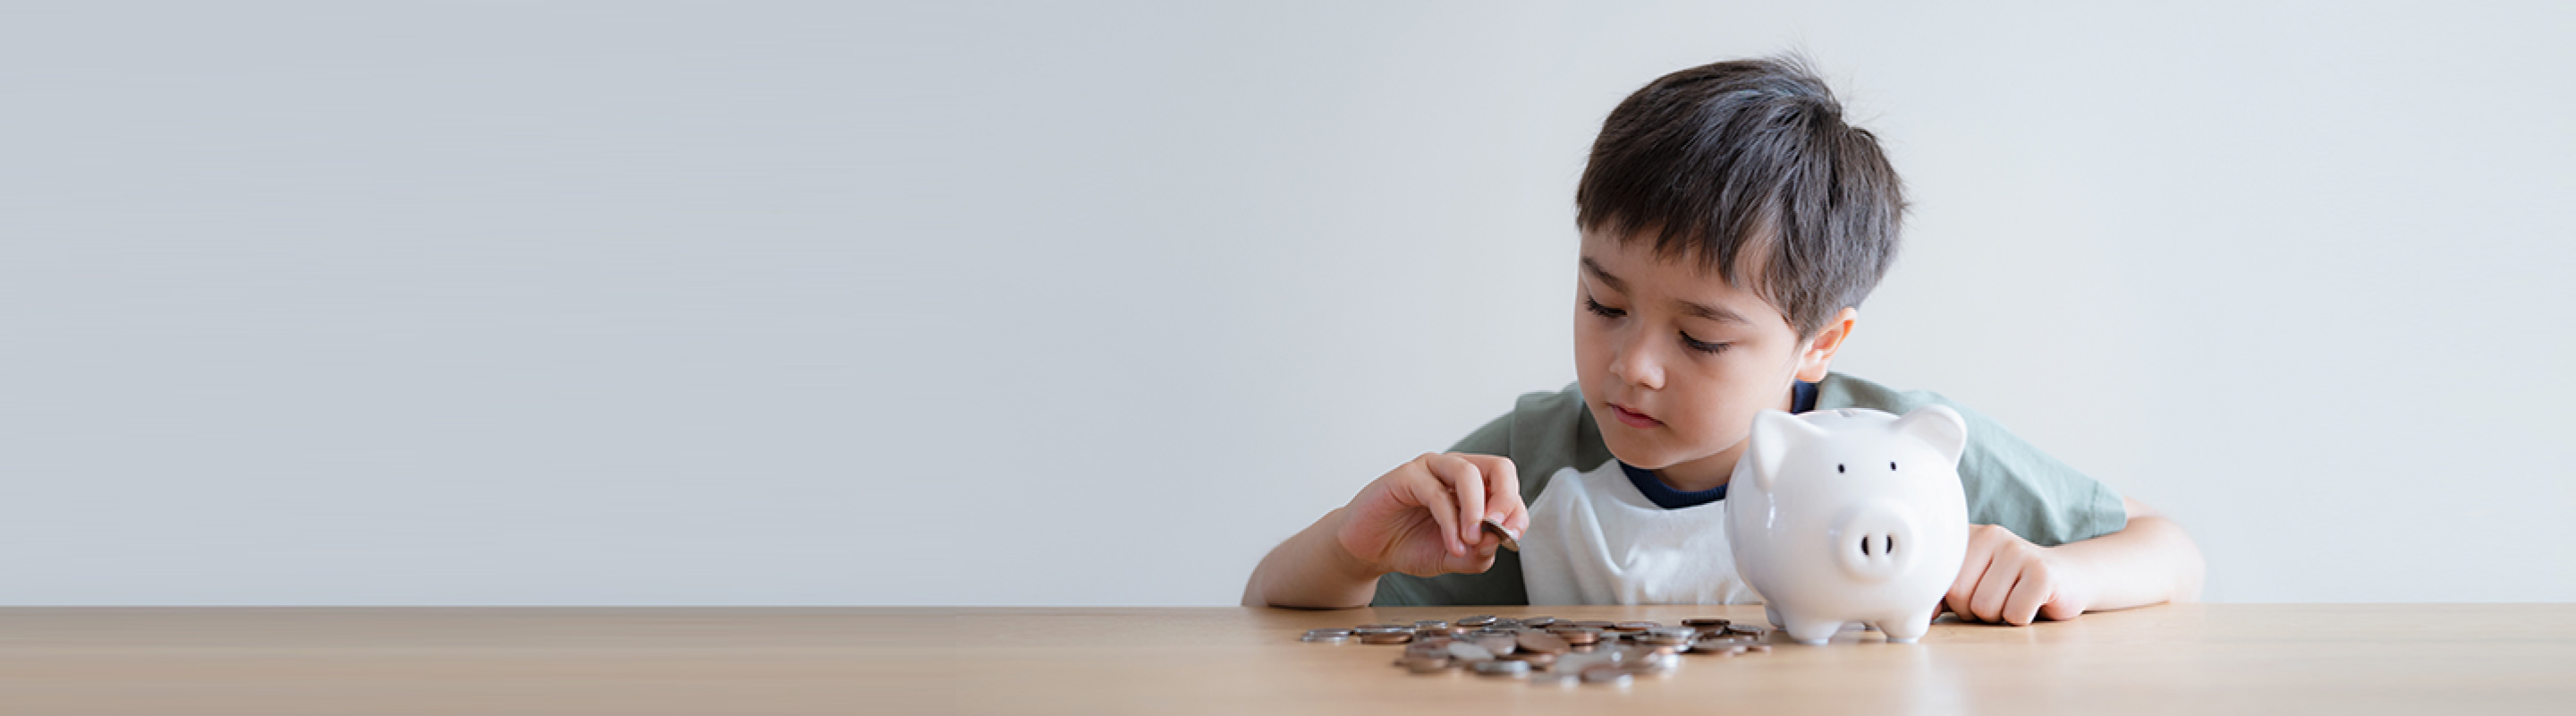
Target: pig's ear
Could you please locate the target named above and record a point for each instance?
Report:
(1938, 426)
(1774, 433)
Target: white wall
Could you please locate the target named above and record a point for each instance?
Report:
(339, 304)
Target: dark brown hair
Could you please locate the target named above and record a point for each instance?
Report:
(1749, 158)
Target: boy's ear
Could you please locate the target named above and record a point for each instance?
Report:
(1938, 425)
(1819, 354)
(1774, 434)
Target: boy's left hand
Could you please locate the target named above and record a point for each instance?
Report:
(2008, 579)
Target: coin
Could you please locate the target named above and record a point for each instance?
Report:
(1538, 659)
(1635, 626)
(1705, 622)
(1424, 664)
(1543, 642)
(1430, 625)
(1607, 674)
(1464, 651)
(1386, 637)
(1539, 622)
(1502, 668)
(1332, 635)
(1578, 636)
(1499, 644)
(1366, 629)
(1510, 541)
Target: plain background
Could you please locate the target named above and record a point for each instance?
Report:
(508, 303)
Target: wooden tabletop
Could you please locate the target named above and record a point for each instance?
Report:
(2194, 659)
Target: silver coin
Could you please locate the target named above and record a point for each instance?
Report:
(1502, 668)
(1464, 651)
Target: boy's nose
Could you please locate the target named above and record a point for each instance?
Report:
(1636, 364)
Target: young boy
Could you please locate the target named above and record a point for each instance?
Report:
(1731, 224)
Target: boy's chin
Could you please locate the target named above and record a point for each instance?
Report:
(1640, 452)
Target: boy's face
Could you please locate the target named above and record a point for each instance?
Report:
(1674, 362)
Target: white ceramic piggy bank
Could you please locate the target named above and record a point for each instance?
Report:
(1850, 515)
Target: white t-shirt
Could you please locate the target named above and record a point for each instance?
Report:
(1594, 539)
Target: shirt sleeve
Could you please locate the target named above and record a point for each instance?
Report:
(2009, 482)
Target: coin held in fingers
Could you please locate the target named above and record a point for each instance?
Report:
(1510, 541)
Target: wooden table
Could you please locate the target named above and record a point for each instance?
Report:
(2194, 659)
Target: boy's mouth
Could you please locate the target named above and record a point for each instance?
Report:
(1633, 418)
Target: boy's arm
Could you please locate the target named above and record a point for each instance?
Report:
(2009, 579)
(1310, 570)
(1424, 517)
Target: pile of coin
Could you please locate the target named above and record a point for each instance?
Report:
(1554, 650)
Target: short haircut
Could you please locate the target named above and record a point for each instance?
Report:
(1749, 158)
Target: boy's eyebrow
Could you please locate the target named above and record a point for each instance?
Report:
(1594, 268)
(1714, 313)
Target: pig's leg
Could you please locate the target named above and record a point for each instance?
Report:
(1906, 629)
(1813, 631)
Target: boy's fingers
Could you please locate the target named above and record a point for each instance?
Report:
(1970, 572)
(1500, 480)
(1503, 488)
(1469, 481)
(2031, 590)
(1433, 495)
(1991, 591)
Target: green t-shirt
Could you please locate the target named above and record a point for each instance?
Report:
(2008, 482)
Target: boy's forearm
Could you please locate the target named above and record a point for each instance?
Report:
(1311, 571)
(2149, 561)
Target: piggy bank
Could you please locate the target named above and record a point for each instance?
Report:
(1847, 515)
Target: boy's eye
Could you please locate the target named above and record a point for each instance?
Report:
(1702, 346)
(1605, 311)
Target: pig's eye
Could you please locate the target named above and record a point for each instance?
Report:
(1838, 467)
(1891, 466)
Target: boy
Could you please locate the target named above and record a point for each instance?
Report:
(1731, 223)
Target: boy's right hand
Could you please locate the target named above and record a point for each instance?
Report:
(1425, 517)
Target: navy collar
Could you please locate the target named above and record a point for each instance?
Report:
(1664, 496)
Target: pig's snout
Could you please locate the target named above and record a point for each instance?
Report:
(1875, 542)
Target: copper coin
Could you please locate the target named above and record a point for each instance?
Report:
(1758, 648)
(1705, 622)
(1577, 636)
(1386, 638)
(1539, 659)
(1543, 642)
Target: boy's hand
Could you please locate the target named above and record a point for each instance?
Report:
(1424, 518)
(2008, 579)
